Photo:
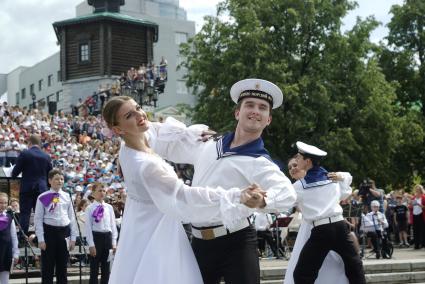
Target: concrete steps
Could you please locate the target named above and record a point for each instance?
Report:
(388, 272)
(397, 277)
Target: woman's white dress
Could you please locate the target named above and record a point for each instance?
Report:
(332, 270)
(153, 247)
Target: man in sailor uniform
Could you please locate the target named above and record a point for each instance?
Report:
(318, 199)
(237, 159)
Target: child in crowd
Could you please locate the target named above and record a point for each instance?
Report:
(101, 234)
(8, 240)
(54, 222)
(401, 220)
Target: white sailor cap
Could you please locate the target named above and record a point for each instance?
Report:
(257, 88)
(375, 203)
(311, 150)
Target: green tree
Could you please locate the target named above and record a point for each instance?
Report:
(335, 95)
(403, 62)
(407, 39)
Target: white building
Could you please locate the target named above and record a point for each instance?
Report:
(42, 79)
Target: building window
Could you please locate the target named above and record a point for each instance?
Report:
(51, 98)
(17, 98)
(32, 89)
(180, 38)
(23, 93)
(49, 80)
(59, 96)
(84, 52)
(181, 87)
(59, 76)
(41, 103)
(40, 84)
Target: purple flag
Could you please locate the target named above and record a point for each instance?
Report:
(50, 198)
(98, 213)
(4, 222)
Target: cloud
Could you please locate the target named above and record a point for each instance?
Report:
(196, 10)
(27, 35)
(26, 30)
(380, 9)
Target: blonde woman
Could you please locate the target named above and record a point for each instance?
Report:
(418, 210)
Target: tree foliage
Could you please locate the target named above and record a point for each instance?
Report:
(335, 94)
(402, 59)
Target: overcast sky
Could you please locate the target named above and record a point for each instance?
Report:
(27, 36)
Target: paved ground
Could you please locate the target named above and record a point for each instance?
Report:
(399, 254)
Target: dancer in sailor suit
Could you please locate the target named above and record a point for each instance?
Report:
(318, 199)
(237, 159)
(9, 251)
(332, 269)
(153, 247)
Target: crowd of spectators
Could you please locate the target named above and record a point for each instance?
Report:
(151, 75)
(76, 145)
(398, 216)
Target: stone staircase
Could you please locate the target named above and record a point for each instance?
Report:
(388, 272)
(378, 272)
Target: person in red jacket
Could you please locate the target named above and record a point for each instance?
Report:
(418, 212)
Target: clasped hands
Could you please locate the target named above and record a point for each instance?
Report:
(335, 177)
(253, 196)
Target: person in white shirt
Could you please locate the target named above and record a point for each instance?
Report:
(374, 223)
(153, 247)
(236, 159)
(318, 199)
(12, 150)
(54, 222)
(332, 269)
(3, 152)
(9, 251)
(101, 234)
(262, 223)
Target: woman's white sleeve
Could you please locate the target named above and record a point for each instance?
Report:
(176, 142)
(344, 184)
(191, 204)
(281, 195)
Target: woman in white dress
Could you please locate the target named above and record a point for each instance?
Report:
(332, 270)
(153, 247)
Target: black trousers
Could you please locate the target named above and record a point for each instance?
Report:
(233, 257)
(56, 254)
(418, 231)
(103, 243)
(27, 201)
(334, 236)
(376, 239)
(266, 236)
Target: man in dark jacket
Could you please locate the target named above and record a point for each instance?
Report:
(34, 164)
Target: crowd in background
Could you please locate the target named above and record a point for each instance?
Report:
(78, 147)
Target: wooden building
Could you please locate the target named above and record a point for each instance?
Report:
(104, 43)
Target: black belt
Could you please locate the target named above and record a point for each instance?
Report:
(102, 233)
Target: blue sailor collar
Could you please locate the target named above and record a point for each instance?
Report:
(316, 176)
(253, 149)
